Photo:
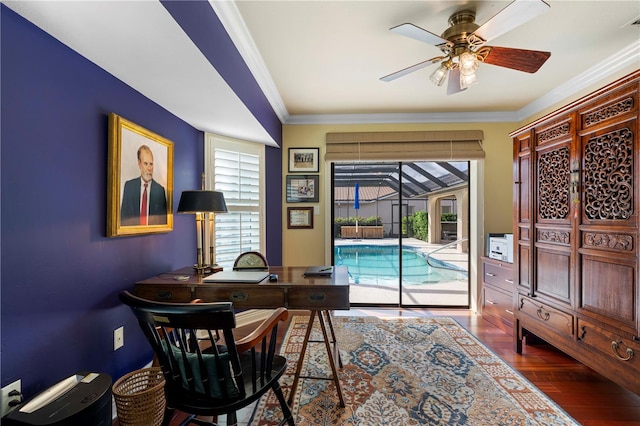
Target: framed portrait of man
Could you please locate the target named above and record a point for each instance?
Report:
(140, 180)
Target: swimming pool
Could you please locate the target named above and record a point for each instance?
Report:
(379, 264)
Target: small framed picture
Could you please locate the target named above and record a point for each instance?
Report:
(299, 217)
(304, 160)
(302, 188)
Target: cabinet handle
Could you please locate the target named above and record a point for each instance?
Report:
(543, 317)
(317, 297)
(239, 296)
(509, 311)
(164, 295)
(489, 274)
(508, 280)
(491, 302)
(614, 347)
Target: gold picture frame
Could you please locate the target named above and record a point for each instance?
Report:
(137, 156)
(299, 217)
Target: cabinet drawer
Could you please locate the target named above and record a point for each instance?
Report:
(164, 293)
(622, 351)
(498, 275)
(326, 298)
(556, 320)
(497, 308)
(244, 297)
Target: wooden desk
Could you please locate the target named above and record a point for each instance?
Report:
(293, 290)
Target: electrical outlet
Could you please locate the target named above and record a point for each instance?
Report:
(118, 338)
(5, 398)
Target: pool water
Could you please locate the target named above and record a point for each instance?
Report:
(375, 264)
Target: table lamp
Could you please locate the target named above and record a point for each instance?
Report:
(204, 204)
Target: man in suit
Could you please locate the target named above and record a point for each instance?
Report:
(144, 201)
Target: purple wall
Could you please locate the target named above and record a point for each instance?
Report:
(60, 275)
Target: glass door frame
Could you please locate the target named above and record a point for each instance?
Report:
(471, 300)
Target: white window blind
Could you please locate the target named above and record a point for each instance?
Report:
(236, 168)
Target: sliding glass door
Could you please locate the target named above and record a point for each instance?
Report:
(399, 228)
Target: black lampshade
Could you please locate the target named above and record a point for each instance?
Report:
(202, 202)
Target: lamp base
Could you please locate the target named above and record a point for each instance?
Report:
(207, 269)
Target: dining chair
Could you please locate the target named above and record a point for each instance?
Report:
(207, 371)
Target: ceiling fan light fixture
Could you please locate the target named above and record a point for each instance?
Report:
(468, 63)
(440, 74)
(467, 81)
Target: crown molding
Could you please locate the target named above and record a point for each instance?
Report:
(626, 57)
(436, 117)
(235, 26)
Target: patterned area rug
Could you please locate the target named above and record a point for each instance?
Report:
(407, 371)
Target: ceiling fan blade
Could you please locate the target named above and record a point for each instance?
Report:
(417, 33)
(453, 85)
(411, 69)
(518, 59)
(515, 14)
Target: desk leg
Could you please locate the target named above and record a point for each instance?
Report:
(334, 341)
(332, 359)
(303, 351)
(330, 355)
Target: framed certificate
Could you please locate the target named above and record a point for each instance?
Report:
(299, 217)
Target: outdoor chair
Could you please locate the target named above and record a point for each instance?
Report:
(208, 372)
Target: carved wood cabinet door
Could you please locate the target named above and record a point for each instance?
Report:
(608, 227)
(554, 213)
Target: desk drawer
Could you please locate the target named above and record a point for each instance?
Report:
(497, 308)
(243, 297)
(325, 298)
(164, 293)
(498, 275)
(620, 350)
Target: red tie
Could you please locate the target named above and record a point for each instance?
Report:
(143, 208)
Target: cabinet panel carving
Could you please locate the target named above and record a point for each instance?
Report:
(554, 132)
(609, 241)
(608, 176)
(553, 185)
(554, 236)
(608, 111)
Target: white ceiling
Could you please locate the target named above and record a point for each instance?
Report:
(320, 61)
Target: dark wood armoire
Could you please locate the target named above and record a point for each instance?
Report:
(576, 219)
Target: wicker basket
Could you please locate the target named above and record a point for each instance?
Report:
(139, 397)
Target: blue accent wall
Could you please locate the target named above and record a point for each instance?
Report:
(60, 275)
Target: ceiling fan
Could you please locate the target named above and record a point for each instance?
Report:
(464, 45)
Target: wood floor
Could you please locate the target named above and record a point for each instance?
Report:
(588, 397)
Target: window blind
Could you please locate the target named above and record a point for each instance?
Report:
(236, 169)
(405, 146)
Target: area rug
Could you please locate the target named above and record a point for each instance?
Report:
(406, 371)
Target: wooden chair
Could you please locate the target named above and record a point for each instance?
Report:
(207, 371)
(251, 261)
